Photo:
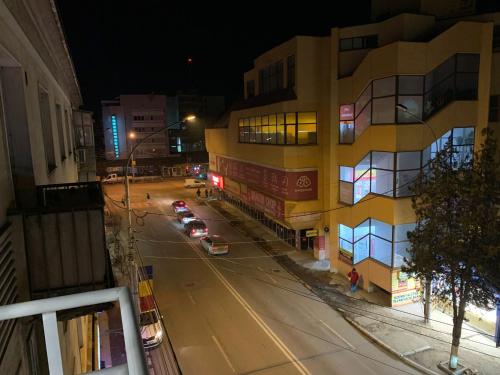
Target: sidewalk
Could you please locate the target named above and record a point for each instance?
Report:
(400, 330)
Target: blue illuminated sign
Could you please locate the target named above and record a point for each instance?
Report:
(114, 129)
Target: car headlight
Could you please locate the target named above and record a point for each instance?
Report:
(159, 335)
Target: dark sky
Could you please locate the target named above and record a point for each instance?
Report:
(142, 46)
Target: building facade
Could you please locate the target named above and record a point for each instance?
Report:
(39, 93)
(130, 118)
(319, 151)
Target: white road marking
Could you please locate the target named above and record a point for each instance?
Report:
(338, 335)
(191, 298)
(260, 269)
(284, 349)
(272, 279)
(223, 353)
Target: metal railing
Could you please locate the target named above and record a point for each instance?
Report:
(136, 360)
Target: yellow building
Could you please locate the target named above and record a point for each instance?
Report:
(318, 150)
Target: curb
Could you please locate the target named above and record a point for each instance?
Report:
(409, 362)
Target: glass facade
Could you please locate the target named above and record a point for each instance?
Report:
(376, 240)
(454, 79)
(291, 128)
(392, 174)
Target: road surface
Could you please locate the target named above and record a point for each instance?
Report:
(240, 313)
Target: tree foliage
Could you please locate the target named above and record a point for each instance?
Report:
(456, 241)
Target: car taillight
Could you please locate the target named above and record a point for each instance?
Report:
(206, 229)
(193, 231)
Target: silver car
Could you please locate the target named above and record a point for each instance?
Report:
(151, 329)
(215, 244)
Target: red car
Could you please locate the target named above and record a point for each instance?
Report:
(179, 206)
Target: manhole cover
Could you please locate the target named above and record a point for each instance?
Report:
(189, 285)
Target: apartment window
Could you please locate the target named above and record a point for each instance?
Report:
(60, 132)
(494, 108)
(250, 88)
(289, 128)
(290, 72)
(496, 38)
(69, 132)
(271, 78)
(46, 121)
(360, 42)
(82, 156)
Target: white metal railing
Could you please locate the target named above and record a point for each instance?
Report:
(136, 361)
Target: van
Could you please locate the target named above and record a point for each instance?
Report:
(193, 183)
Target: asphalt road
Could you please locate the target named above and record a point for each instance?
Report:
(240, 313)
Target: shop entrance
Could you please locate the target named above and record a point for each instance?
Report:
(306, 243)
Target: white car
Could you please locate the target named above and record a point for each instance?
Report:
(215, 244)
(151, 329)
(193, 183)
(185, 217)
(110, 179)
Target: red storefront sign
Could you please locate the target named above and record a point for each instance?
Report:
(292, 185)
(217, 181)
(346, 112)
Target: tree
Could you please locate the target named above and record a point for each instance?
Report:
(456, 241)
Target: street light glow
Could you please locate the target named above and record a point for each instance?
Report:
(190, 118)
(131, 135)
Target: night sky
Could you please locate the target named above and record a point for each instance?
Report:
(127, 47)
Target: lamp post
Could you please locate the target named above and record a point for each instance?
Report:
(428, 280)
(130, 254)
(132, 136)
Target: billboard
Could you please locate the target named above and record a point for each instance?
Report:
(290, 185)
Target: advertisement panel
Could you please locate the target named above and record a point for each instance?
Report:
(271, 206)
(404, 289)
(291, 185)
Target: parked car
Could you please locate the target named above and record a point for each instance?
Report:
(110, 179)
(185, 217)
(193, 183)
(151, 329)
(196, 228)
(179, 206)
(214, 244)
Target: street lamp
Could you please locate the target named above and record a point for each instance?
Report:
(427, 287)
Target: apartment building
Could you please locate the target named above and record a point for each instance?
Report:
(319, 151)
(128, 119)
(41, 199)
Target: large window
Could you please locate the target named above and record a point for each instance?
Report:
(48, 137)
(359, 42)
(393, 174)
(290, 72)
(271, 78)
(423, 96)
(60, 132)
(376, 240)
(291, 128)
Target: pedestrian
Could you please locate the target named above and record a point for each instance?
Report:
(354, 278)
(206, 193)
(210, 192)
(148, 196)
(198, 192)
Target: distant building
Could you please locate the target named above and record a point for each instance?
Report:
(318, 151)
(192, 138)
(128, 119)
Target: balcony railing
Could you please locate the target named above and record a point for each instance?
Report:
(136, 361)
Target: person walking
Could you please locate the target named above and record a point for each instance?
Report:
(206, 193)
(198, 192)
(354, 278)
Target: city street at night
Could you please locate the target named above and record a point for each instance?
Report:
(240, 313)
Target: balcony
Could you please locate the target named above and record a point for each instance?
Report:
(48, 308)
(64, 240)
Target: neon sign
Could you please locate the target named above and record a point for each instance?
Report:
(218, 181)
(114, 129)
